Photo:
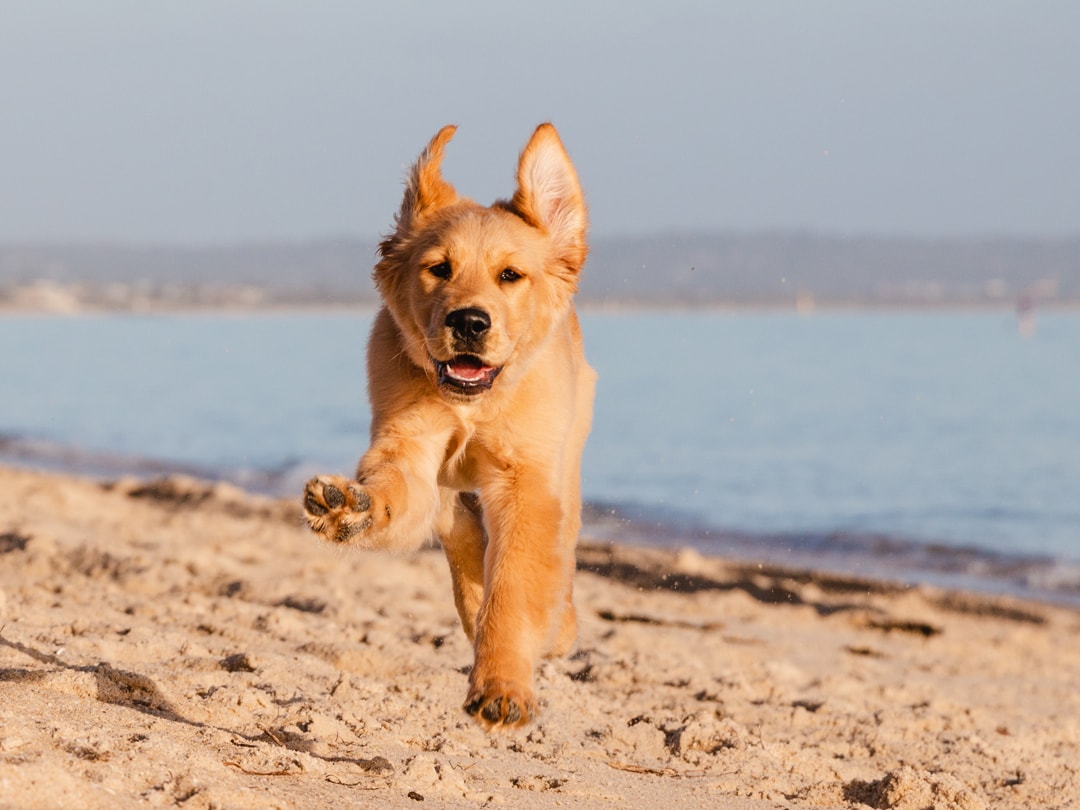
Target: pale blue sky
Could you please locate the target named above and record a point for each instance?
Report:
(215, 121)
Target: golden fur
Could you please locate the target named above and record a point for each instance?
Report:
(481, 403)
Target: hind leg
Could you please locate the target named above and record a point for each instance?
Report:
(461, 532)
(566, 634)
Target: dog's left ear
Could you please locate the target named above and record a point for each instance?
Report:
(549, 196)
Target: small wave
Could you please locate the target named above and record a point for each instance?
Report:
(55, 456)
(873, 555)
(58, 457)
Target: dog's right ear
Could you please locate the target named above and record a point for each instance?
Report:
(425, 190)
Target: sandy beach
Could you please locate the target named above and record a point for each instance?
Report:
(178, 643)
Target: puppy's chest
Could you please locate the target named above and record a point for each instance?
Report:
(473, 456)
(460, 464)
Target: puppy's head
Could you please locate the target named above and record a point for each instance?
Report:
(474, 290)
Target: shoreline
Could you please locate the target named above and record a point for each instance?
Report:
(904, 560)
(177, 641)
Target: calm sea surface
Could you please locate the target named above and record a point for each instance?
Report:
(937, 445)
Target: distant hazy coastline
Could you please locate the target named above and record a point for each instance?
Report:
(792, 270)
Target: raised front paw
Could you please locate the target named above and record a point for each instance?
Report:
(503, 704)
(337, 509)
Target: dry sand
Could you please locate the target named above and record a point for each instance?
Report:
(178, 643)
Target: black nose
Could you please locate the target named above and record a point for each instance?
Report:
(469, 323)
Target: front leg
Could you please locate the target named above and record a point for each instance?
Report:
(461, 533)
(528, 565)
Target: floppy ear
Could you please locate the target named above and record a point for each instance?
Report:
(549, 196)
(425, 189)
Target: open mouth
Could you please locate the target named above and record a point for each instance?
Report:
(466, 373)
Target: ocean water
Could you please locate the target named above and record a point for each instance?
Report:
(928, 446)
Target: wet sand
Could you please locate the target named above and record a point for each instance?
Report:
(178, 643)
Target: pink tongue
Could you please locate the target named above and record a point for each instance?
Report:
(464, 370)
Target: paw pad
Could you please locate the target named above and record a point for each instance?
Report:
(361, 499)
(333, 496)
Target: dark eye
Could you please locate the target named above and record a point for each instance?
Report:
(441, 270)
(509, 275)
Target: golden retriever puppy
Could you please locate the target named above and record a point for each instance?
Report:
(481, 402)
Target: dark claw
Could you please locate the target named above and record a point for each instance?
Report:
(333, 496)
(473, 706)
(312, 505)
(363, 500)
